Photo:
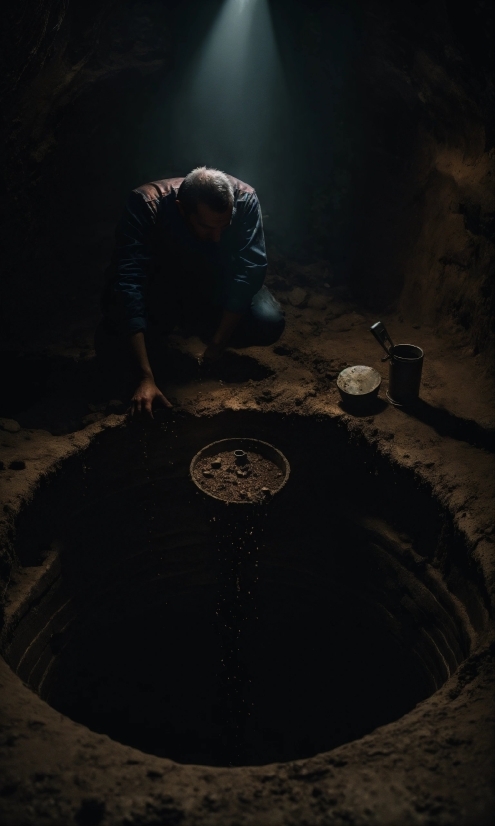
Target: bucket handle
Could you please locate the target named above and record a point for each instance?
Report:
(380, 333)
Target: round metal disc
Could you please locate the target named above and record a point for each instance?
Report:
(359, 380)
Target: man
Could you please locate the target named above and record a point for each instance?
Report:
(189, 251)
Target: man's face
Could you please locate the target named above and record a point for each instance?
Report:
(207, 224)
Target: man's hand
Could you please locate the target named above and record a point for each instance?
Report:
(146, 393)
(212, 353)
(217, 345)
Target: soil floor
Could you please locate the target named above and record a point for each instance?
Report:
(433, 766)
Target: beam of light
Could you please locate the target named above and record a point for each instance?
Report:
(230, 106)
(234, 91)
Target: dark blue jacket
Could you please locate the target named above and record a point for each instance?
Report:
(157, 258)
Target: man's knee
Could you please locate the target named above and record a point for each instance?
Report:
(268, 316)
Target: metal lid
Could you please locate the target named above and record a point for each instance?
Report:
(359, 380)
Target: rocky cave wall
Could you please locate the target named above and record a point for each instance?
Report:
(426, 238)
(77, 78)
(410, 195)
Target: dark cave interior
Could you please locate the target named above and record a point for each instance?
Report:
(387, 141)
(132, 604)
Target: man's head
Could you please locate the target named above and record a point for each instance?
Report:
(205, 200)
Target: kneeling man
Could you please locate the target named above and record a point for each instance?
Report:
(189, 252)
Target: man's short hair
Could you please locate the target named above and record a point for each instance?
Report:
(206, 186)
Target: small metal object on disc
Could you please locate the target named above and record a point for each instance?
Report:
(359, 381)
(241, 457)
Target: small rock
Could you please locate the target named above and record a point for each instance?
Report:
(318, 302)
(17, 464)
(208, 474)
(266, 492)
(154, 775)
(10, 425)
(217, 463)
(298, 297)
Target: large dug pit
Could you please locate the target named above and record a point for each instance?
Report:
(236, 635)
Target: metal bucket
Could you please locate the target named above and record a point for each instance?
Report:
(405, 366)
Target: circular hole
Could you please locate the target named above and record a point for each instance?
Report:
(195, 632)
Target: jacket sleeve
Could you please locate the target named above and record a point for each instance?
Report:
(250, 262)
(127, 309)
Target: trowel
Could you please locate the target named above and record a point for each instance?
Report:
(380, 332)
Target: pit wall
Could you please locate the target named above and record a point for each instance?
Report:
(70, 573)
(434, 765)
(448, 278)
(29, 554)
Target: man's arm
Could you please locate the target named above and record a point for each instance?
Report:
(250, 256)
(132, 262)
(248, 276)
(127, 304)
(228, 323)
(146, 392)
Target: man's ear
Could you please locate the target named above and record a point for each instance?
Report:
(181, 208)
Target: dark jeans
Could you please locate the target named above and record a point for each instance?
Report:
(262, 324)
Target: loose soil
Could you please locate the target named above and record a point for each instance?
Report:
(221, 476)
(440, 755)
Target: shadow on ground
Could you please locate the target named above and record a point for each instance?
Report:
(233, 368)
(61, 394)
(448, 424)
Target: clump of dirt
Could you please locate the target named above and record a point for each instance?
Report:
(238, 476)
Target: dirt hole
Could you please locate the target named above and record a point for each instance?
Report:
(189, 630)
